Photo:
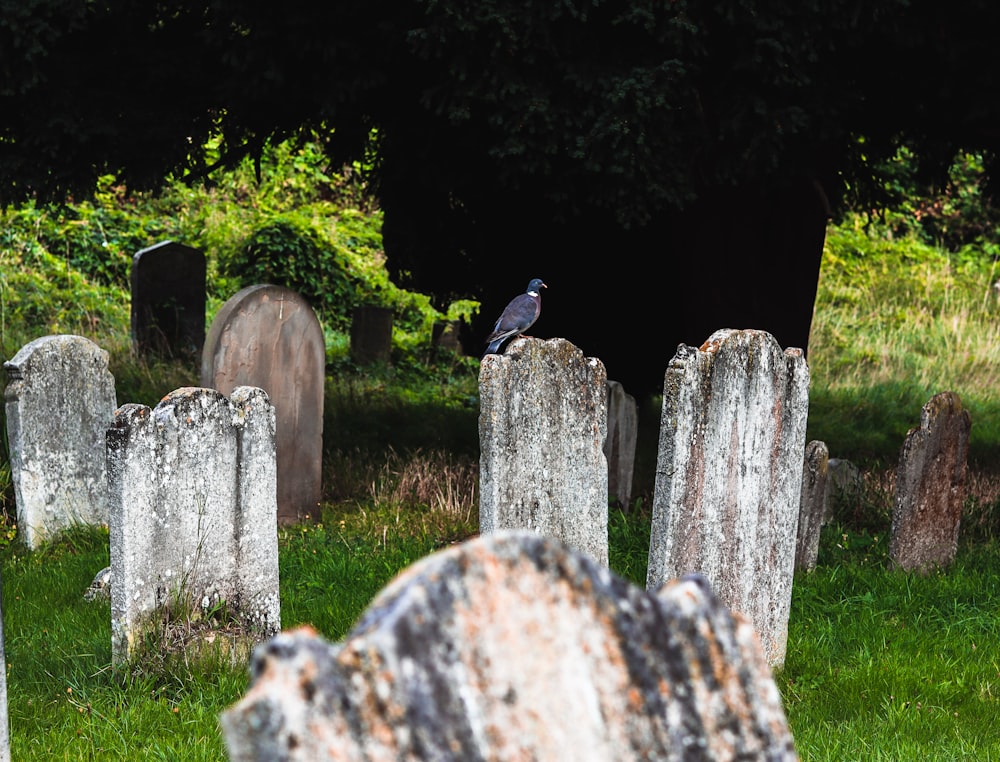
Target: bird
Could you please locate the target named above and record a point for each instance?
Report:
(517, 317)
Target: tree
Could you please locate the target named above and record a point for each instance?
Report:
(667, 168)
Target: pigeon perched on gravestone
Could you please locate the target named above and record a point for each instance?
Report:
(517, 317)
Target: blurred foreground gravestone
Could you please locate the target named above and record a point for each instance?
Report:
(729, 475)
(168, 300)
(542, 426)
(269, 337)
(60, 400)
(930, 487)
(193, 515)
(514, 647)
(619, 445)
(371, 335)
(812, 504)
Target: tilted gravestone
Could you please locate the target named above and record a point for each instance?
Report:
(268, 336)
(619, 445)
(812, 505)
(60, 400)
(729, 475)
(168, 300)
(512, 647)
(542, 426)
(193, 513)
(930, 487)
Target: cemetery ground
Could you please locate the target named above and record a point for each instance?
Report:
(880, 665)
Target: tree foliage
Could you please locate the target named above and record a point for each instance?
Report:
(583, 119)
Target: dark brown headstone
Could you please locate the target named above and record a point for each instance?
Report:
(930, 486)
(268, 336)
(168, 300)
(371, 335)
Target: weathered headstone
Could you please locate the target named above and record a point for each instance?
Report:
(812, 504)
(193, 512)
(619, 445)
(845, 486)
(542, 426)
(729, 475)
(930, 486)
(513, 647)
(168, 300)
(371, 335)
(269, 337)
(60, 400)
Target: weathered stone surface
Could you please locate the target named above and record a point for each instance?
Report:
(513, 647)
(542, 426)
(619, 445)
(269, 337)
(729, 475)
(845, 487)
(193, 511)
(930, 486)
(812, 504)
(59, 402)
(168, 300)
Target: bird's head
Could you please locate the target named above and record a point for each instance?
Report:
(535, 285)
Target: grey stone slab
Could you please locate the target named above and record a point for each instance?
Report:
(729, 475)
(619, 445)
(812, 506)
(60, 400)
(542, 426)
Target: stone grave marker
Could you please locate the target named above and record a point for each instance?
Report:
(60, 400)
(930, 487)
(542, 426)
(371, 335)
(515, 647)
(268, 336)
(619, 445)
(812, 504)
(168, 300)
(193, 513)
(845, 486)
(729, 475)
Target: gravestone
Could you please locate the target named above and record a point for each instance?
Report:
(729, 475)
(269, 337)
(930, 487)
(193, 513)
(845, 487)
(542, 426)
(619, 445)
(168, 300)
(60, 400)
(812, 504)
(371, 335)
(513, 647)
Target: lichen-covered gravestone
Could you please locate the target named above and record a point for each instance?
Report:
(168, 300)
(268, 336)
(514, 647)
(729, 475)
(542, 426)
(193, 513)
(930, 486)
(60, 400)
